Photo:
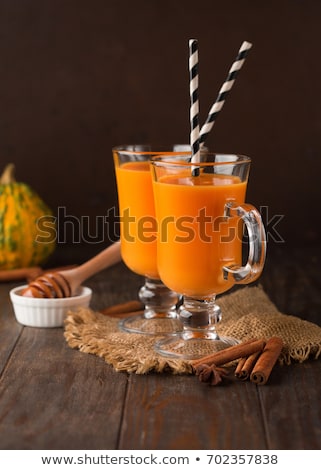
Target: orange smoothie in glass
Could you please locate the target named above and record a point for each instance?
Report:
(137, 216)
(195, 239)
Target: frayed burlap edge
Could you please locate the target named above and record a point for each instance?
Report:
(250, 313)
(247, 313)
(91, 332)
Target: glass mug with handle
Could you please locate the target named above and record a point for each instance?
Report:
(201, 214)
(138, 239)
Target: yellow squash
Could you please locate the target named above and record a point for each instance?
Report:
(27, 226)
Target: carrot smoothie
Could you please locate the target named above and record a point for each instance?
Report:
(195, 239)
(137, 217)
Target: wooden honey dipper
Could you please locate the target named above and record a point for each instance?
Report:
(59, 284)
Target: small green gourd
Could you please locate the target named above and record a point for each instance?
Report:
(23, 215)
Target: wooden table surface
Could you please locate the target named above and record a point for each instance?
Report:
(54, 397)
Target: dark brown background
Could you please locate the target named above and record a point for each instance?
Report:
(78, 77)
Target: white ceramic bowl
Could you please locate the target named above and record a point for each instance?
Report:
(46, 313)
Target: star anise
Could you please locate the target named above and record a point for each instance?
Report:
(210, 374)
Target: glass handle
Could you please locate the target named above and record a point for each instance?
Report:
(257, 244)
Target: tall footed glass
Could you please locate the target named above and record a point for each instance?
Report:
(138, 234)
(201, 214)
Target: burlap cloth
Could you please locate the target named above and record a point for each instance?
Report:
(247, 313)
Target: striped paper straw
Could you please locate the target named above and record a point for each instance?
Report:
(194, 107)
(224, 91)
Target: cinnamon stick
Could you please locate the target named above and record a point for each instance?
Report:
(245, 366)
(231, 353)
(29, 273)
(265, 363)
(239, 373)
(7, 275)
(123, 309)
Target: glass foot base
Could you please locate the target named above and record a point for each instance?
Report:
(192, 348)
(151, 326)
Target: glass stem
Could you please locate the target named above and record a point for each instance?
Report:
(159, 301)
(199, 317)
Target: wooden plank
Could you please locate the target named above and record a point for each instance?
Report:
(178, 412)
(9, 328)
(292, 280)
(291, 406)
(53, 397)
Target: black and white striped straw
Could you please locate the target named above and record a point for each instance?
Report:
(224, 91)
(194, 106)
